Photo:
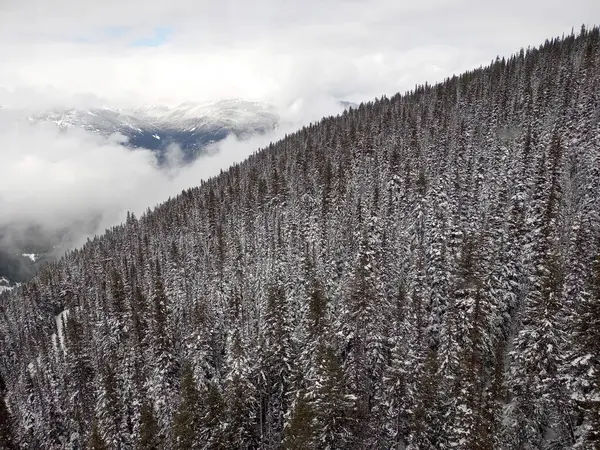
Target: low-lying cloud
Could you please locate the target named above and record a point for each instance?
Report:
(77, 182)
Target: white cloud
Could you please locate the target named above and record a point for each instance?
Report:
(266, 49)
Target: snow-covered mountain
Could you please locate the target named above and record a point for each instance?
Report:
(190, 125)
(5, 284)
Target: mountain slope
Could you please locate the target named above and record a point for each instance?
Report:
(421, 272)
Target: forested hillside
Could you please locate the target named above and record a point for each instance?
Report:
(422, 272)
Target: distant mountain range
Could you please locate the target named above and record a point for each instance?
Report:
(191, 126)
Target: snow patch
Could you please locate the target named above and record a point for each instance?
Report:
(5, 285)
(134, 127)
(58, 338)
(31, 256)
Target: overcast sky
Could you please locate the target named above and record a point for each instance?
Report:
(301, 56)
(154, 51)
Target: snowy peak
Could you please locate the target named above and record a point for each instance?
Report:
(190, 125)
(233, 113)
(105, 121)
(6, 284)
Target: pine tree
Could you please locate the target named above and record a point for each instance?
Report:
(274, 366)
(587, 360)
(108, 407)
(332, 405)
(148, 436)
(299, 431)
(469, 427)
(162, 383)
(363, 326)
(186, 421)
(426, 419)
(96, 441)
(240, 398)
(7, 439)
(212, 429)
(396, 397)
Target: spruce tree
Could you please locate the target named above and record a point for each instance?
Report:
(333, 407)
(299, 431)
(96, 441)
(587, 359)
(212, 430)
(186, 420)
(148, 435)
(7, 439)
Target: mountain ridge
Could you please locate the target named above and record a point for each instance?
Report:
(192, 126)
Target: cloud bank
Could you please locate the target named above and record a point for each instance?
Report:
(79, 182)
(145, 51)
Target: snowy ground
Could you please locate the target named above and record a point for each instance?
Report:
(31, 256)
(5, 285)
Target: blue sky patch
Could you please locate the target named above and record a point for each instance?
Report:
(160, 36)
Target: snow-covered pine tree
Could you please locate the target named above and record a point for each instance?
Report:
(321, 293)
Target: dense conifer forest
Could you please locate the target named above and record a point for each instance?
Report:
(421, 272)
